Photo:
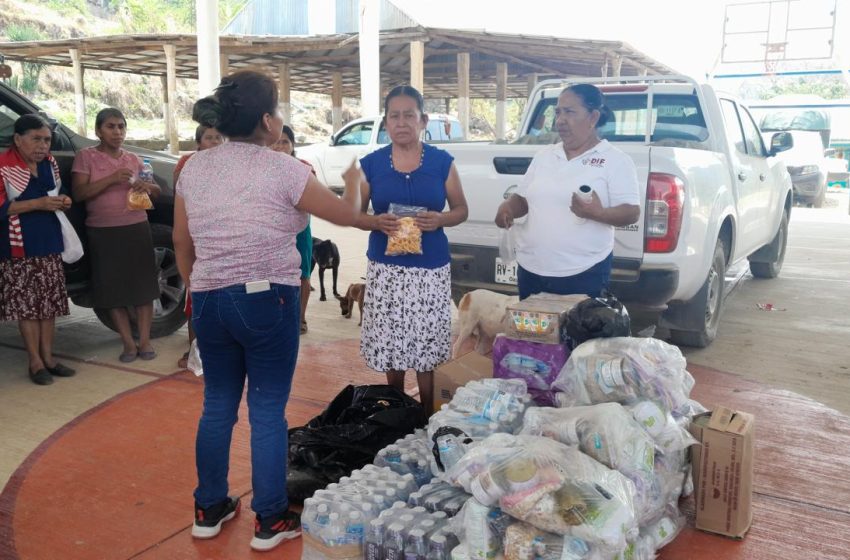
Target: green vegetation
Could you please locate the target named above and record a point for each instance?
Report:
(27, 82)
(826, 87)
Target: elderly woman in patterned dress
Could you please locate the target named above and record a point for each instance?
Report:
(407, 310)
(31, 245)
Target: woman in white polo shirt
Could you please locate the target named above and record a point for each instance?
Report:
(566, 244)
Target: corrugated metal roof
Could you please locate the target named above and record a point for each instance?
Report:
(291, 17)
(348, 17)
(271, 17)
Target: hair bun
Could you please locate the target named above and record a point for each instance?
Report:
(605, 115)
(208, 111)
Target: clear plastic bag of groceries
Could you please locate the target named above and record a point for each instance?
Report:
(554, 487)
(625, 370)
(481, 529)
(608, 433)
(526, 542)
(478, 409)
(670, 433)
(407, 240)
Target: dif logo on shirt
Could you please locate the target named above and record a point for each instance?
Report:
(593, 162)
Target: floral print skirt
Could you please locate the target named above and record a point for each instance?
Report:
(33, 289)
(407, 317)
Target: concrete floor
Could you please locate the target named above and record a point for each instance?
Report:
(802, 348)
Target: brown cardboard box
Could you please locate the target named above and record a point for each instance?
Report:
(723, 471)
(541, 317)
(457, 373)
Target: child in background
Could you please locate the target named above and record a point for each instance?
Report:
(304, 240)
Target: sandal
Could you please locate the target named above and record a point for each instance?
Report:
(184, 361)
(41, 377)
(303, 327)
(127, 357)
(61, 370)
(147, 355)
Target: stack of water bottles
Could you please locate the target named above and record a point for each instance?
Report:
(410, 455)
(409, 533)
(480, 408)
(438, 495)
(334, 520)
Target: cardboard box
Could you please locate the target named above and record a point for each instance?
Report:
(723, 471)
(536, 363)
(457, 373)
(541, 317)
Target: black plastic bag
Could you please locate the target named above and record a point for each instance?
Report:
(360, 421)
(601, 317)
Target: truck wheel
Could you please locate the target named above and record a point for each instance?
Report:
(168, 314)
(710, 304)
(820, 199)
(771, 269)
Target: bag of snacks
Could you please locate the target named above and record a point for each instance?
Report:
(407, 240)
(138, 200)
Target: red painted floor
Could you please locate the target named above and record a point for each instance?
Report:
(117, 482)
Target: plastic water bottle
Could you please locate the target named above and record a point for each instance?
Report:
(415, 548)
(437, 548)
(451, 450)
(394, 542)
(374, 540)
(146, 173)
(354, 529)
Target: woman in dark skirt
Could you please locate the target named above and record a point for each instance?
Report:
(31, 272)
(120, 243)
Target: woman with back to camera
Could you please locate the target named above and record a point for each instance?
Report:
(566, 245)
(237, 211)
(407, 310)
(304, 240)
(120, 243)
(31, 273)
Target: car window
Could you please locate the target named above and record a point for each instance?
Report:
(456, 130)
(733, 126)
(755, 145)
(7, 125)
(383, 137)
(675, 117)
(434, 131)
(357, 135)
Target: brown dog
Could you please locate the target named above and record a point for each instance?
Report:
(355, 293)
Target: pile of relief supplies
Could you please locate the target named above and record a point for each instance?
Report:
(575, 449)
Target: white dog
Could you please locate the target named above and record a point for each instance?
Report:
(481, 312)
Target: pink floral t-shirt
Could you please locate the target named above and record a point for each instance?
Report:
(240, 201)
(109, 208)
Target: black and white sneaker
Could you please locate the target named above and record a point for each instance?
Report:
(208, 521)
(270, 532)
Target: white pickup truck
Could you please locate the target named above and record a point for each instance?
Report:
(363, 136)
(712, 194)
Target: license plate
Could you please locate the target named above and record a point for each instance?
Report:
(505, 272)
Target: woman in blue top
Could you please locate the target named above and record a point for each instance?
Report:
(31, 273)
(407, 309)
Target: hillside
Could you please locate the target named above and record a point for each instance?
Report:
(140, 97)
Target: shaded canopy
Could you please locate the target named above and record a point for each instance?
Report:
(313, 60)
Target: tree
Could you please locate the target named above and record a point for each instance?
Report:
(827, 87)
(28, 81)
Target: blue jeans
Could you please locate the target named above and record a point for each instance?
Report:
(239, 335)
(591, 282)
